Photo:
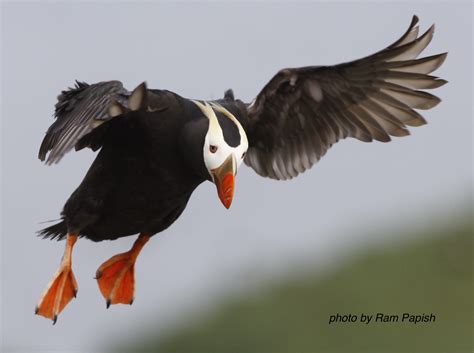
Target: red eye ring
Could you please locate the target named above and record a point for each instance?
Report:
(213, 148)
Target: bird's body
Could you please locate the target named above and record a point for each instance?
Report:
(156, 147)
(140, 180)
(136, 184)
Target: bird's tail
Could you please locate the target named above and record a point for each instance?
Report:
(56, 231)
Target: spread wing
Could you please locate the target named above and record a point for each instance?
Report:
(81, 110)
(301, 112)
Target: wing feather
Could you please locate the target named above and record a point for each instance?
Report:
(79, 110)
(410, 34)
(302, 112)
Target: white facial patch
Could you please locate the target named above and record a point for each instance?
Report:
(215, 137)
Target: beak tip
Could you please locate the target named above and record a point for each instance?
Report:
(225, 189)
(226, 201)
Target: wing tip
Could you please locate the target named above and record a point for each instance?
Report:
(440, 82)
(443, 56)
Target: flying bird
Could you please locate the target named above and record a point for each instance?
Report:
(157, 147)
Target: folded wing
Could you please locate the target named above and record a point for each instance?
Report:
(81, 110)
(301, 112)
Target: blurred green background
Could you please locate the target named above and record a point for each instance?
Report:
(429, 271)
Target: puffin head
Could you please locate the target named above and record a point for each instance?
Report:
(224, 148)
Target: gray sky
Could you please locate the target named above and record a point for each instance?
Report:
(198, 51)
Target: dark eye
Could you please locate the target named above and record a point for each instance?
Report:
(243, 155)
(213, 148)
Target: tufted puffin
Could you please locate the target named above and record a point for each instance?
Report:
(157, 147)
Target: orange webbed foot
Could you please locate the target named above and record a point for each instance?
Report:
(116, 279)
(60, 291)
(62, 288)
(116, 276)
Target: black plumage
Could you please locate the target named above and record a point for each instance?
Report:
(156, 147)
(143, 175)
(302, 112)
(151, 158)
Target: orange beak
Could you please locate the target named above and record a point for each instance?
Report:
(224, 178)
